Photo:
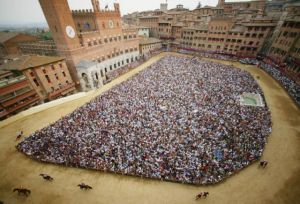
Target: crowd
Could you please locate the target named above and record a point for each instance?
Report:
(178, 120)
(120, 71)
(210, 55)
(291, 86)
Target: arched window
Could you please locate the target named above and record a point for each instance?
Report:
(87, 26)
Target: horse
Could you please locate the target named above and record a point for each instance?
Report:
(20, 134)
(84, 186)
(202, 194)
(263, 164)
(23, 191)
(205, 194)
(199, 196)
(47, 177)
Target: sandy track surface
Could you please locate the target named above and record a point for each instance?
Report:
(278, 183)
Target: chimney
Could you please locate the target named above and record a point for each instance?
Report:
(96, 5)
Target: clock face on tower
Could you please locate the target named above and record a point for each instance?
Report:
(70, 31)
(110, 24)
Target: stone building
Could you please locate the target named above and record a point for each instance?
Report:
(143, 31)
(16, 94)
(90, 35)
(48, 76)
(224, 35)
(148, 45)
(285, 48)
(9, 42)
(150, 22)
(40, 47)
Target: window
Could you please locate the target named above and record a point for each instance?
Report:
(36, 82)
(48, 79)
(32, 74)
(56, 77)
(52, 67)
(60, 65)
(44, 71)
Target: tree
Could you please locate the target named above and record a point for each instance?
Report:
(199, 5)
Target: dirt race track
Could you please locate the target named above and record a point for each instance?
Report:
(278, 183)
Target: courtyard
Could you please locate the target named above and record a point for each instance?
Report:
(276, 184)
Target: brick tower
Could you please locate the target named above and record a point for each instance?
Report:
(62, 26)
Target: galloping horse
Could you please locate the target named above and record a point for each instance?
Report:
(19, 135)
(202, 194)
(23, 191)
(263, 164)
(84, 186)
(46, 177)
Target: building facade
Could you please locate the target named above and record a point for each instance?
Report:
(285, 48)
(143, 31)
(148, 45)
(16, 94)
(48, 76)
(90, 35)
(9, 42)
(40, 47)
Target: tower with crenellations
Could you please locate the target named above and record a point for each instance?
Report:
(94, 35)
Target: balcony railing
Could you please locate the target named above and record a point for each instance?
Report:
(18, 98)
(11, 81)
(23, 104)
(67, 88)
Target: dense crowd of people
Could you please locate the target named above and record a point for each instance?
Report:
(178, 120)
(291, 86)
(210, 55)
(122, 70)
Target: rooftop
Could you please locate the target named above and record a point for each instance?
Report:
(84, 64)
(145, 41)
(29, 61)
(5, 36)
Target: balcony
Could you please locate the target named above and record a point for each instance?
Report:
(3, 113)
(62, 91)
(23, 104)
(14, 84)
(18, 98)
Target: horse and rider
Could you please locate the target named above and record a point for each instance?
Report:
(202, 194)
(84, 186)
(22, 191)
(263, 164)
(47, 177)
